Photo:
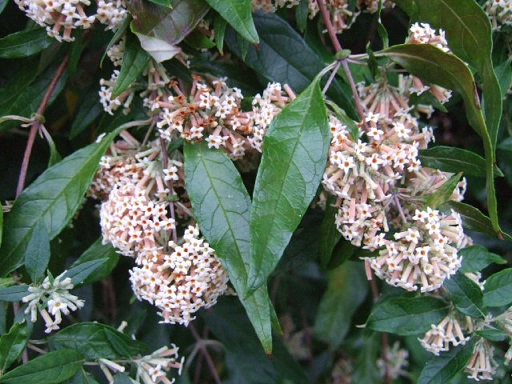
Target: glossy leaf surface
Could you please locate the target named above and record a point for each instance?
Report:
(498, 288)
(452, 159)
(222, 208)
(238, 14)
(292, 165)
(477, 257)
(12, 345)
(465, 294)
(50, 368)
(407, 315)
(98, 252)
(24, 43)
(38, 252)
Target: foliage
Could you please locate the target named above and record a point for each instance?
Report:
(255, 191)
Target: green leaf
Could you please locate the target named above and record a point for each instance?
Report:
(3, 3)
(473, 219)
(466, 295)
(88, 110)
(95, 340)
(1, 224)
(170, 24)
(163, 3)
(135, 60)
(301, 14)
(498, 288)
(347, 289)
(443, 193)
(13, 344)
(238, 14)
(455, 160)
(285, 57)
(37, 255)
(82, 377)
(50, 368)
(435, 66)
(24, 43)
(407, 316)
(219, 26)
(222, 205)
(469, 35)
(329, 234)
(495, 335)
(292, 165)
(28, 97)
(477, 257)
(53, 198)
(98, 251)
(78, 273)
(122, 378)
(442, 369)
(246, 363)
(13, 293)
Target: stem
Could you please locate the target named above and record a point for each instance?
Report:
(337, 46)
(36, 125)
(206, 355)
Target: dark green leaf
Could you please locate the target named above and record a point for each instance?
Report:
(1, 225)
(347, 289)
(28, 97)
(381, 29)
(284, 56)
(135, 60)
(246, 362)
(435, 66)
(466, 295)
(221, 205)
(82, 377)
(13, 344)
(291, 168)
(490, 334)
(473, 219)
(443, 193)
(24, 43)
(219, 26)
(301, 14)
(37, 255)
(78, 273)
(199, 40)
(98, 252)
(88, 110)
(477, 257)
(469, 35)
(13, 293)
(3, 3)
(452, 159)
(170, 24)
(498, 288)
(163, 3)
(366, 369)
(122, 378)
(406, 316)
(329, 234)
(95, 340)
(442, 369)
(50, 368)
(238, 14)
(53, 198)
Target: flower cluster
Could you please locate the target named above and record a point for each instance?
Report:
(500, 12)
(52, 297)
(450, 330)
(61, 17)
(395, 363)
(481, 365)
(141, 205)
(151, 369)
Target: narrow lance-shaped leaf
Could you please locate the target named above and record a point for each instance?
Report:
(98, 252)
(135, 60)
(442, 369)
(53, 198)
(80, 272)
(222, 208)
(466, 295)
(469, 36)
(13, 344)
(477, 257)
(292, 165)
(50, 368)
(435, 66)
(24, 43)
(498, 288)
(407, 316)
(238, 14)
(38, 252)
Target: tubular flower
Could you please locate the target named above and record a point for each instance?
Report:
(482, 365)
(449, 330)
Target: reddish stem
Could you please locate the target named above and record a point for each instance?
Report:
(36, 125)
(202, 347)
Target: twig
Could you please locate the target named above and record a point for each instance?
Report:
(36, 125)
(205, 353)
(337, 47)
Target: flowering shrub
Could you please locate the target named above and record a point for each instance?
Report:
(255, 191)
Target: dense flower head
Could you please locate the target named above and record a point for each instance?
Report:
(500, 12)
(180, 280)
(481, 365)
(451, 330)
(52, 298)
(61, 17)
